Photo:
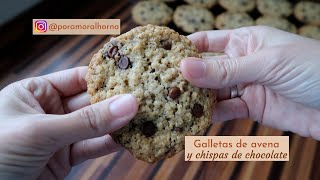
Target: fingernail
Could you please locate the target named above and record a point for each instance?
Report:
(122, 106)
(195, 68)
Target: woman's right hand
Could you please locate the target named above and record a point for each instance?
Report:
(277, 73)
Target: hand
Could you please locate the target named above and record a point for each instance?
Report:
(277, 74)
(47, 125)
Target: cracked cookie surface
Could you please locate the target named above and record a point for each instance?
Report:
(145, 62)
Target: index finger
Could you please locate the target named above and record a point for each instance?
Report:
(69, 82)
(211, 41)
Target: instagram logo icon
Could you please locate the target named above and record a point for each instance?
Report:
(41, 26)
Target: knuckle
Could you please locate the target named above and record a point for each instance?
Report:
(38, 86)
(33, 83)
(225, 71)
(90, 119)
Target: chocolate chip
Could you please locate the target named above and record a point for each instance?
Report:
(124, 62)
(197, 110)
(174, 93)
(112, 51)
(148, 128)
(165, 44)
(178, 129)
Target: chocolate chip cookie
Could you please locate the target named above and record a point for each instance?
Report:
(238, 5)
(202, 3)
(274, 7)
(152, 12)
(192, 19)
(145, 62)
(276, 22)
(310, 31)
(308, 12)
(229, 20)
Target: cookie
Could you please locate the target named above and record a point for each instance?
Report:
(152, 12)
(202, 3)
(229, 20)
(310, 31)
(238, 5)
(274, 7)
(308, 12)
(191, 19)
(277, 22)
(145, 62)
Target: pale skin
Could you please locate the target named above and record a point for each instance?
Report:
(277, 74)
(48, 125)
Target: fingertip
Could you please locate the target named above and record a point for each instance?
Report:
(193, 37)
(193, 69)
(200, 40)
(183, 68)
(125, 105)
(134, 102)
(230, 109)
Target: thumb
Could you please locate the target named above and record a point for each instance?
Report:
(217, 73)
(92, 121)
